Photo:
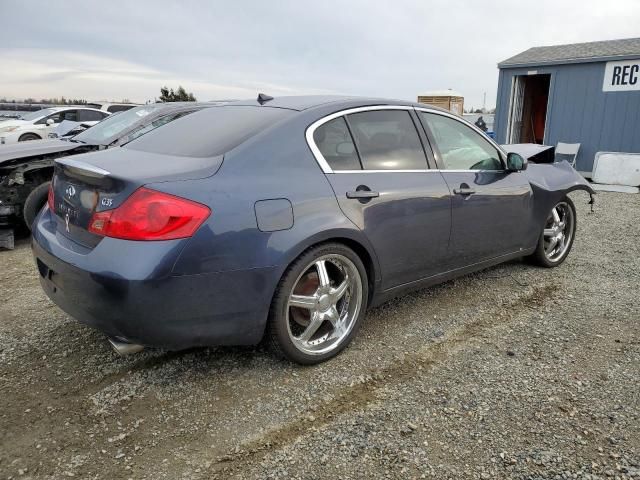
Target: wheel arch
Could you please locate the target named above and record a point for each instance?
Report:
(355, 240)
(28, 133)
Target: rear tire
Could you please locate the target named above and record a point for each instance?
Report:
(558, 233)
(34, 203)
(29, 136)
(319, 304)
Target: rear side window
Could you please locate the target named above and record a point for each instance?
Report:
(118, 108)
(90, 116)
(71, 115)
(334, 142)
(387, 140)
(209, 132)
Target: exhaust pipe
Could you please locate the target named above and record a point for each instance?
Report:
(125, 348)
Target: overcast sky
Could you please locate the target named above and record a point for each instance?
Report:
(106, 49)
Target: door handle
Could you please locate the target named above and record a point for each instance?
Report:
(363, 194)
(464, 191)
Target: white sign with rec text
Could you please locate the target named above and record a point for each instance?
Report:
(621, 76)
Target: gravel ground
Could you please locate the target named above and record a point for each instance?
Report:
(513, 372)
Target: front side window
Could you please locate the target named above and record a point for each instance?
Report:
(460, 147)
(56, 117)
(387, 140)
(334, 142)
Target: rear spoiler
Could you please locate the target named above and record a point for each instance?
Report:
(84, 168)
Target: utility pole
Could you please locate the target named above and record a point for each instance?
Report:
(484, 103)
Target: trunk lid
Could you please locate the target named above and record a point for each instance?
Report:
(99, 181)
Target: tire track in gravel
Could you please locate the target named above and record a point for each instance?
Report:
(71, 400)
(150, 363)
(359, 395)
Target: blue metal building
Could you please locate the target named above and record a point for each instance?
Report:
(587, 93)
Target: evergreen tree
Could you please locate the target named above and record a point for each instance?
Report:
(180, 95)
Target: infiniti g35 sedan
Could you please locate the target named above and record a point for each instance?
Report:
(287, 218)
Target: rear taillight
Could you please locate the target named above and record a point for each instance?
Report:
(150, 215)
(50, 197)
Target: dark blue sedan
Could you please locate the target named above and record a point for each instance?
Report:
(288, 217)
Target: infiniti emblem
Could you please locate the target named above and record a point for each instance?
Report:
(70, 191)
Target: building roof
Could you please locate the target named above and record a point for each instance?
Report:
(441, 93)
(576, 53)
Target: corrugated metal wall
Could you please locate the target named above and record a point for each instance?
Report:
(579, 111)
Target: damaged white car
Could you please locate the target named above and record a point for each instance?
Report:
(37, 125)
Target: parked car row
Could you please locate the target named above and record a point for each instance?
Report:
(37, 125)
(41, 123)
(285, 218)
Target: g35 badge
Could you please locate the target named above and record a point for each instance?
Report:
(106, 202)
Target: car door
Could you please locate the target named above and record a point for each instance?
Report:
(57, 118)
(491, 207)
(44, 128)
(375, 160)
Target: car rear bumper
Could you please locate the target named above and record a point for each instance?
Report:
(168, 311)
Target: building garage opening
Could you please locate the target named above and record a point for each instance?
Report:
(528, 112)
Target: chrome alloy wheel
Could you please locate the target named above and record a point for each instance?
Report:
(558, 232)
(324, 304)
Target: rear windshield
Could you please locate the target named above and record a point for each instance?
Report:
(209, 132)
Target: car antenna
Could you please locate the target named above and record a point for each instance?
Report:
(263, 98)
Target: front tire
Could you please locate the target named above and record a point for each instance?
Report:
(557, 236)
(34, 203)
(319, 304)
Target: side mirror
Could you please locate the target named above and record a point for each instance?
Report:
(515, 162)
(50, 121)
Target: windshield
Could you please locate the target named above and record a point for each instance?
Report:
(103, 132)
(37, 114)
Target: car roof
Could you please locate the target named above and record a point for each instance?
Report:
(305, 102)
(182, 104)
(302, 102)
(163, 108)
(114, 103)
(70, 107)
